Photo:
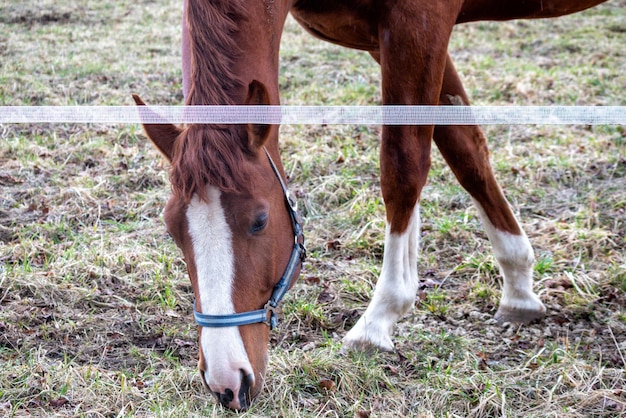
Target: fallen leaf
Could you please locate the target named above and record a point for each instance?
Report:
(325, 296)
(333, 245)
(327, 385)
(312, 280)
(59, 402)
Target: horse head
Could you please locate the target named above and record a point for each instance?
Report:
(232, 216)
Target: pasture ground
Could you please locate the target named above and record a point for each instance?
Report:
(95, 303)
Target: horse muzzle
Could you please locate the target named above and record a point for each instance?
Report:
(234, 390)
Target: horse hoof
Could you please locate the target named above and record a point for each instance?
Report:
(523, 316)
(365, 347)
(366, 339)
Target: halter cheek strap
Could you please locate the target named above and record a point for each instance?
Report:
(266, 315)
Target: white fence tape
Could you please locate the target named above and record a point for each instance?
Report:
(308, 115)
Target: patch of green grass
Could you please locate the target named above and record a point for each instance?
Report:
(544, 264)
(480, 291)
(480, 265)
(436, 303)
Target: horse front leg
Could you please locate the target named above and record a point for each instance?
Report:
(465, 150)
(412, 57)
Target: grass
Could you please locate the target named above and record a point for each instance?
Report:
(95, 303)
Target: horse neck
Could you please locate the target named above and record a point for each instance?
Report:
(232, 44)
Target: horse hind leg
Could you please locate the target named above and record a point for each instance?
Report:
(465, 150)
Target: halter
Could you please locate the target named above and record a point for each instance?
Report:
(267, 314)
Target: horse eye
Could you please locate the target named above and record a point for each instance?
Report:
(259, 223)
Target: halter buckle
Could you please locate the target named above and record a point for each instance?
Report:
(271, 319)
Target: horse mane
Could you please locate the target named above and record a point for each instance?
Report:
(213, 26)
(211, 154)
(206, 154)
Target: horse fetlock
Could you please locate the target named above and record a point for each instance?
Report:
(393, 302)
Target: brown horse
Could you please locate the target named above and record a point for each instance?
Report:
(229, 212)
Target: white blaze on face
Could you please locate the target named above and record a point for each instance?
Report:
(211, 238)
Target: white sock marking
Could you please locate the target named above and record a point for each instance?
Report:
(515, 257)
(395, 290)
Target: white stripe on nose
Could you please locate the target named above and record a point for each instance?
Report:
(223, 348)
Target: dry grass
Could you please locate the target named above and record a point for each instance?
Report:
(95, 304)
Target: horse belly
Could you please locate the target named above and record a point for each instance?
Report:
(349, 23)
(475, 10)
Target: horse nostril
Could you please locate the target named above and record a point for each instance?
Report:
(243, 400)
(225, 398)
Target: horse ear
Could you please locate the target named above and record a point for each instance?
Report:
(257, 133)
(163, 135)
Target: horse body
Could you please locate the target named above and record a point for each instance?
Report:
(227, 211)
(355, 23)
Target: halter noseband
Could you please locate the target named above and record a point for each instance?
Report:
(267, 314)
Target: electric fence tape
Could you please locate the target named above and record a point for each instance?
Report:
(315, 115)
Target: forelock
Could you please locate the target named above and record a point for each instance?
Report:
(209, 155)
